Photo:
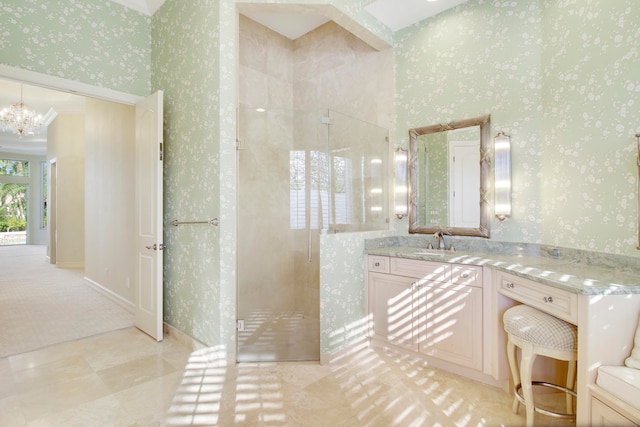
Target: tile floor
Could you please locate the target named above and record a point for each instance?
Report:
(268, 337)
(124, 378)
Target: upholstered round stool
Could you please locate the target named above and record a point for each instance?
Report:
(539, 333)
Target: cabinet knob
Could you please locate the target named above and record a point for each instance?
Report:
(377, 264)
(548, 299)
(465, 275)
(510, 285)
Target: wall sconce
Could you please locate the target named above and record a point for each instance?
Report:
(502, 175)
(400, 194)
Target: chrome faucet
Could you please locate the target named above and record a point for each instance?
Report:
(439, 235)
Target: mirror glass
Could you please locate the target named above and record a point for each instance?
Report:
(448, 178)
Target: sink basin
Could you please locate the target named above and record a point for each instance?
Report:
(438, 252)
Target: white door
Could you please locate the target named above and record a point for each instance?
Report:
(464, 205)
(148, 237)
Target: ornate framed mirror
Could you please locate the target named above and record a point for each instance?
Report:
(449, 167)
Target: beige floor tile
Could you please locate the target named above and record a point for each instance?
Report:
(11, 412)
(110, 350)
(125, 378)
(7, 383)
(50, 373)
(45, 355)
(61, 395)
(151, 399)
(135, 372)
(105, 411)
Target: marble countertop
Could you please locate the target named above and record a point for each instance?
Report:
(564, 274)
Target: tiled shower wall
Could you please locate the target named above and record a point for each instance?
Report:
(328, 68)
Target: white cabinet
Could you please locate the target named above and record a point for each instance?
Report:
(391, 309)
(450, 323)
(609, 410)
(557, 302)
(602, 416)
(428, 307)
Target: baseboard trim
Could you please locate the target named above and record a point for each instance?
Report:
(213, 355)
(183, 338)
(74, 265)
(127, 305)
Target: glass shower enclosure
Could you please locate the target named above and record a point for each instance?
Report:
(300, 174)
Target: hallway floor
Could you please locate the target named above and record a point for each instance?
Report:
(124, 378)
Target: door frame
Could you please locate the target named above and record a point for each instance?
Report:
(52, 211)
(69, 86)
(64, 85)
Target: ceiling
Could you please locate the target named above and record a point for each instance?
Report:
(40, 100)
(395, 14)
(399, 14)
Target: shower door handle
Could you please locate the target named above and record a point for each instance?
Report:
(309, 247)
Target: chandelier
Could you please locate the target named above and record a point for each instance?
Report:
(19, 119)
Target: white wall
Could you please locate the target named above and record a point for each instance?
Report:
(65, 142)
(109, 198)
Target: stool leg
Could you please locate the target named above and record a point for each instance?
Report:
(526, 368)
(515, 373)
(571, 384)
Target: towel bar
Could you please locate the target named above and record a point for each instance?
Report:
(213, 221)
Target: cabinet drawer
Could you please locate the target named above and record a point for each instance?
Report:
(468, 275)
(427, 270)
(557, 302)
(378, 263)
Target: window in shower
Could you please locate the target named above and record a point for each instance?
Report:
(309, 192)
(359, 175)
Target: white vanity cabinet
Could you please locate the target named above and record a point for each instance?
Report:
(557, 302)
(599, 341)
(428, 307)
(603, 415)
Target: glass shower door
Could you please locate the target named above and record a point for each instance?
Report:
(282, 204)
(301, 174)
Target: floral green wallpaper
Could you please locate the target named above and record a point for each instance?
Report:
(185, 66)
(96, 42)
(343, 315)
(561, 77)
(590, 113)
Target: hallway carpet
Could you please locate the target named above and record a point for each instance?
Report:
(42, 305)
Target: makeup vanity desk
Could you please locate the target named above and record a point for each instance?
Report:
(602, 300)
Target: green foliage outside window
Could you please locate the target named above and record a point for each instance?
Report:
(13, 207)
(14, 167)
